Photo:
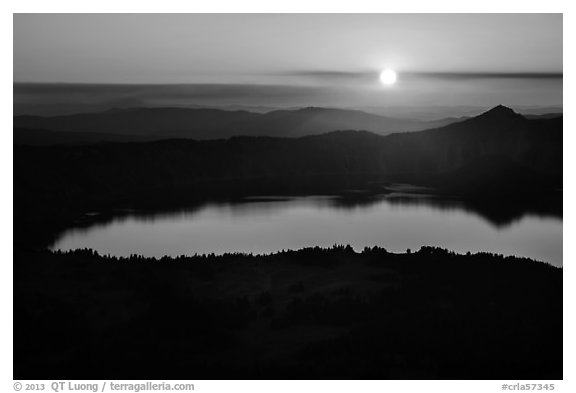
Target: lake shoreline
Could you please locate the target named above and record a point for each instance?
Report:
(38, 227)
(395, 216)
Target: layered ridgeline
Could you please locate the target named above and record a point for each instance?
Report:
(499, 137)
(140, 124)
(499, 154)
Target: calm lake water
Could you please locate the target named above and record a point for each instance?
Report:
(264, 225)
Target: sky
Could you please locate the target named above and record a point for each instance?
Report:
(294, 59)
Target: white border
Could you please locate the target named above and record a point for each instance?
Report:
(298, 6)
(293, 6)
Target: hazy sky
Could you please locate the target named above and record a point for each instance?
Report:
(333, 59)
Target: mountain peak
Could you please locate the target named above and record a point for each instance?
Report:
(500, 112)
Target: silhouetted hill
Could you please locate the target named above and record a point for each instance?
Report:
(544, 116)
(499, 132)
(38, 137)
(499, 114)
(314, 120)
(496, 175)
(307, 314)
(218, 124)
(168, 122)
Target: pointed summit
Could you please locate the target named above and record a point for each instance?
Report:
(501, 109)
(499, 113)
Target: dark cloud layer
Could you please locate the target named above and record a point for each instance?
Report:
(355, 76)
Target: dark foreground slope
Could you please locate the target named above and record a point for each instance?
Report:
(312, 313)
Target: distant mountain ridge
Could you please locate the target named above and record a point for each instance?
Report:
(499, 132)
(499, 138)
(202, 124)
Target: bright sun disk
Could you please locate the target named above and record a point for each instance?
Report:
(388, 77)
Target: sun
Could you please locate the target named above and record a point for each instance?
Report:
(388, 77)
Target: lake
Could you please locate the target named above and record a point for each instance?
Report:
(398, 221)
